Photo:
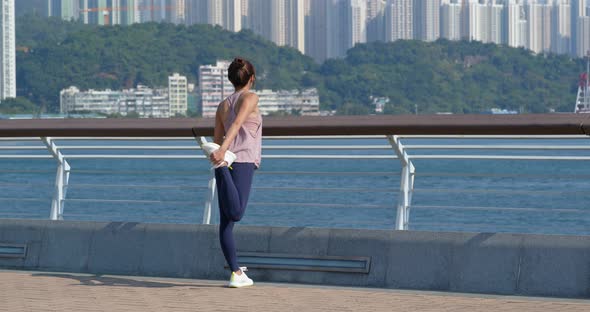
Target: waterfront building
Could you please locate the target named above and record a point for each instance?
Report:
(178, 94)
(297, 102)
(213, 87)
(7, 50)
(143, 101)
(399, 20)
(427, 19)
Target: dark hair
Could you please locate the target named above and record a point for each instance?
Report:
(240, 71)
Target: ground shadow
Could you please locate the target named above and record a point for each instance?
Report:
(100, 280)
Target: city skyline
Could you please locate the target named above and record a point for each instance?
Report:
(326, 29)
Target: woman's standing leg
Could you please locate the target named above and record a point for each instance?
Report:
(233, 189)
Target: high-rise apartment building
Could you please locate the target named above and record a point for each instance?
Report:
(399, 20)
(196, 12)
(316, 30)
(259, 19)
(178, 94)
(281, 21)
(450, 20)
(496, 19)
(579, 9)
(214, 86)
(515, 23)
(288, 23)
(583, 32)
(124, 12)
(346, 25)
(65, 9)
(7, 51)
(487, 22)
(478, 20)
(560, 28)
(539, 22)
(357, 17)
(95, 12)
(375, 20)
(427, 19)
(336, 39)
(225, 13)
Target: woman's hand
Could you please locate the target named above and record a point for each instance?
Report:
(218, 157)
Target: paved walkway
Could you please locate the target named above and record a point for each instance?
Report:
(37, 291)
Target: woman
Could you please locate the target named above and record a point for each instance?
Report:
(238, 128)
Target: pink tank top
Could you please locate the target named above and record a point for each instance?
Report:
(248, 143)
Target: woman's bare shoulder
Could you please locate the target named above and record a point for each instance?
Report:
(250, 96)
(223, 106)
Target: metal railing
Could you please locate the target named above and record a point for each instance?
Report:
(319, 156)
(526, 171)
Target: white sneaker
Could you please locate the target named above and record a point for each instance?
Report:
(210, 147)
(237, 281)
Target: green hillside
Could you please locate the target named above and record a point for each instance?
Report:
(444, 76)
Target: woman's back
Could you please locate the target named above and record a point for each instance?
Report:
(248, 142)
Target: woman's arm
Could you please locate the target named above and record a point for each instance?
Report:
(219, 116)
(249, 103)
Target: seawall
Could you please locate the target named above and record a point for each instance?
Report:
(492, 263)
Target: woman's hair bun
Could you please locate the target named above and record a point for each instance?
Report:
(240, 62)
(240, 71)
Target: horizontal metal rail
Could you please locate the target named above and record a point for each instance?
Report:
(500, 157)
(319, 205)
(499, 191)
(26, 157)
(497, 147)
(309, 148)
(156, 156)
(528, 209)
(499, 137)
(134, 201)
(502, 175)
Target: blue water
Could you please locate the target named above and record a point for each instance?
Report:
(347, 193)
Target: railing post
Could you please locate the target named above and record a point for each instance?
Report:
(406, 184)
(210, 201)
(62, 179)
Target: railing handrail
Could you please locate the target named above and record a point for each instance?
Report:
(526, 124)
(449, 147)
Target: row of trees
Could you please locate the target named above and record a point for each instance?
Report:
(443, 76)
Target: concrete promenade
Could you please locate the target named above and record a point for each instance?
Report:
(43, 291)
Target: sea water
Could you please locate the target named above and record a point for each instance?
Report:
(527, 196)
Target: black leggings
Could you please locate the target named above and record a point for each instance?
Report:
(233, 190)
